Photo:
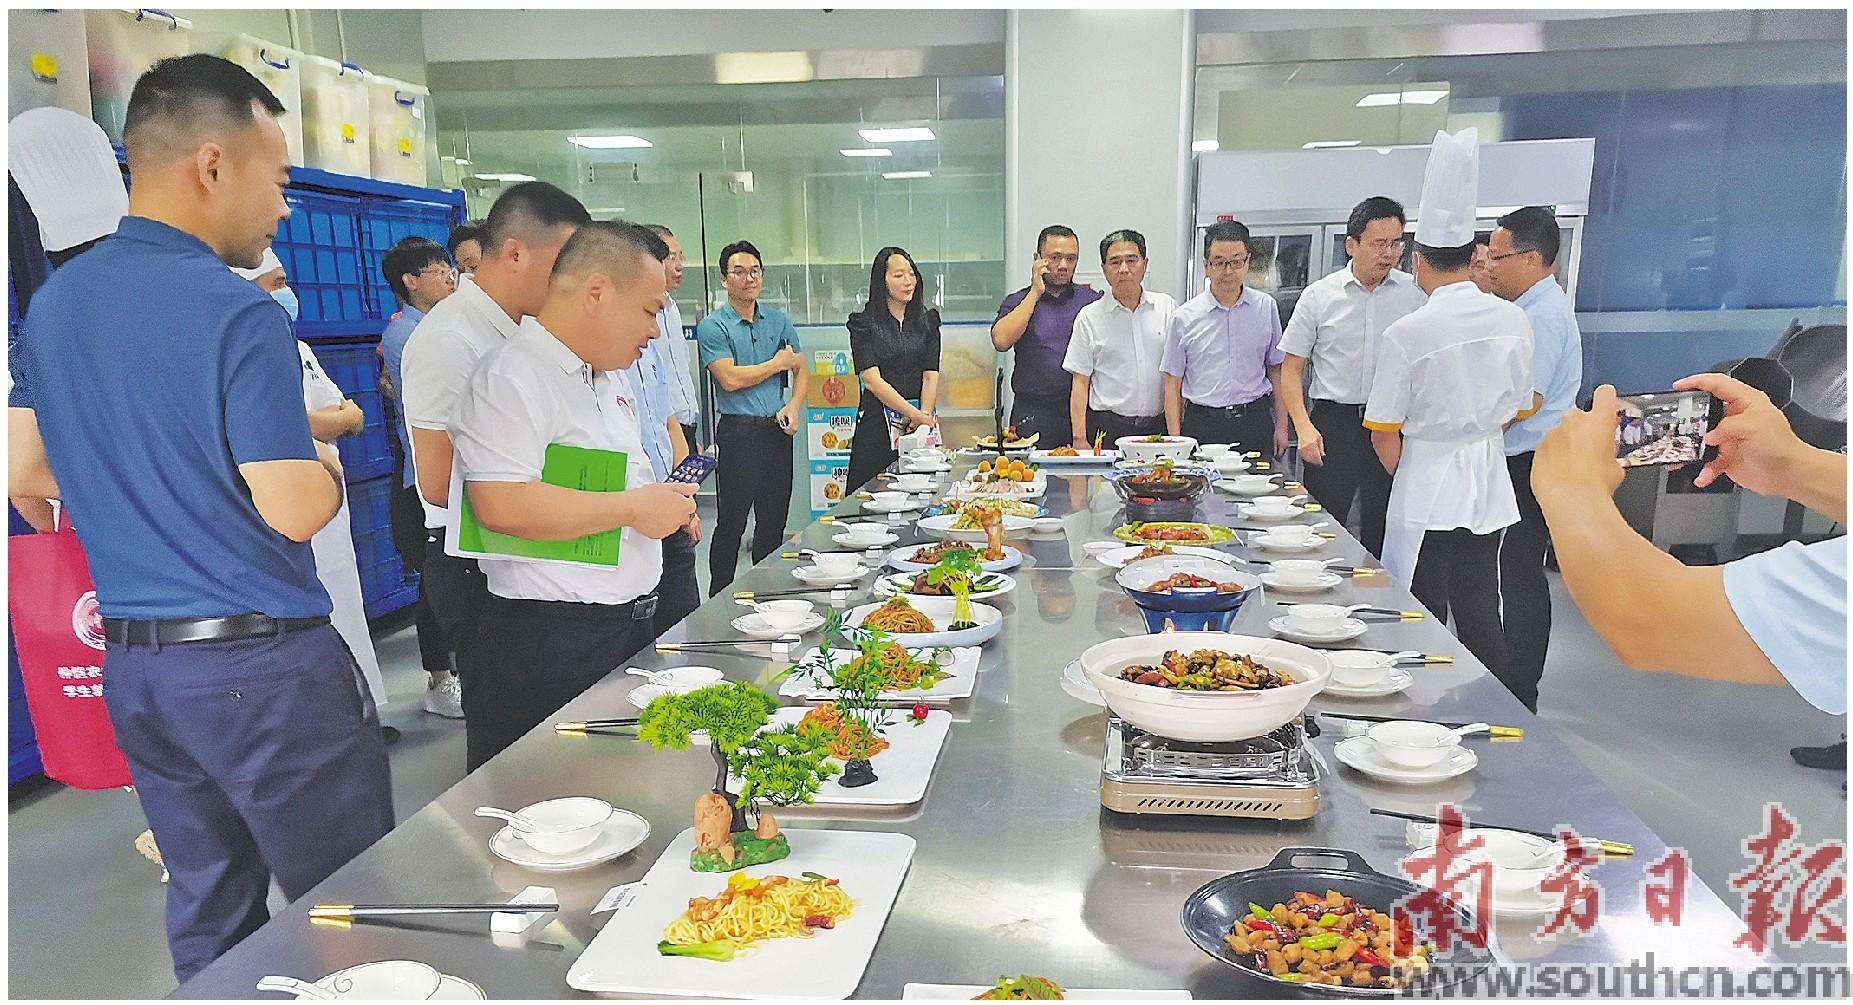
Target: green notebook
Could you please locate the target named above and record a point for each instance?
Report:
(583, 468)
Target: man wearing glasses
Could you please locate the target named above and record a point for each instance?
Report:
(1337, 326)
(1222, 354)
(749, 348)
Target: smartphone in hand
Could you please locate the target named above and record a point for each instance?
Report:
(694, 469)
(1665, 427)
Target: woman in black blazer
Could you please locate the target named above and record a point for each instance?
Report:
(894, 343)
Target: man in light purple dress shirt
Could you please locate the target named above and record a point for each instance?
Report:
(1222, 355)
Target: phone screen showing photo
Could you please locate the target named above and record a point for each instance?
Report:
(1666, 427)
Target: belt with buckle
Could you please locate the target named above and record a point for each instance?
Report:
(179, 631)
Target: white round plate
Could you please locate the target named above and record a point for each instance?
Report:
(1351, 630)
(753, 625)
(887, 539)
(813, 576)
(1257, 540)
(1249, 512)
(452, 988)
(1394, 682)
(1118, 557)
(888, 586)
(907, 505)
(1360, 754)
(1326, 581)
(989, 621)
(623, 832)
(897, 559)
(1228, 486)
(942, 526)
(1074, 681)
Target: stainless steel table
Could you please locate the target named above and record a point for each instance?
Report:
(1018, 869)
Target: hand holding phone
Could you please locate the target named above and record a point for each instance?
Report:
(694, 469)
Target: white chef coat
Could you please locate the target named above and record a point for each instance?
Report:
(333, 545)
(1119, 351)
(1450, 375)
(531, 392)
(1338, 326)
(441, 354)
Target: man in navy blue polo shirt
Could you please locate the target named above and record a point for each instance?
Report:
(164, 407)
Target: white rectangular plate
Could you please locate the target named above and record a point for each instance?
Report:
(1083, 460)
(902, 771)
(622, 958)
(966, 992)
(960, 683)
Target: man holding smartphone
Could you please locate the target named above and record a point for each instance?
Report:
(750, 349)
(1521, 266)
(1037, 321)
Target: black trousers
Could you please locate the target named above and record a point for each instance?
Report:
(408, 536)
(1457, 576)
(1248, 427)
(754, 477)
(1044, 415)
(678, 593)
(529, 657)
(455, 590)
(252, 758)
(1115, 425)
(870, 453)
(1523, 589)
(1351, 470)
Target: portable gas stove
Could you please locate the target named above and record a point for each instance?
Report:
(1270, 777)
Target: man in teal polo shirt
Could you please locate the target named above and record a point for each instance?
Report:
(749, 348)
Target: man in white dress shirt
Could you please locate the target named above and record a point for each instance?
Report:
(1118, 343)
(527, 226)
(550, 629)
(1336, 327)
(1450, 377)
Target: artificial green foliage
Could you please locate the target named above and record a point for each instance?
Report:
(749, 850)
(731, 712)
(783, 767)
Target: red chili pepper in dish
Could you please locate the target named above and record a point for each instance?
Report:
(1366, 956)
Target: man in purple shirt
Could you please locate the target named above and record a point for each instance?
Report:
(1222, 355)
(1037, 322)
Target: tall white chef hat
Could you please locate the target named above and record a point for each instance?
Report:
(1450, 190)
(270, 262)
(65, 168)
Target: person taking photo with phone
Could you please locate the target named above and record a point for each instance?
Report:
(1774, 617)
(1037, 322)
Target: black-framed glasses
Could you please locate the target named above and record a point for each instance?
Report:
(753, 273)
(1225, 264)
(1509, 254)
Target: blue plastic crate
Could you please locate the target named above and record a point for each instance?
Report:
(355, 368)
(369, 506)
(386, 222)
(319, 246)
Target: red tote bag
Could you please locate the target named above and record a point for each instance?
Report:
(58, 634)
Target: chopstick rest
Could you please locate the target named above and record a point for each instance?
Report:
(516, 922)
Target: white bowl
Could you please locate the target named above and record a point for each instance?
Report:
(1298, 571)
(1520, 861)
(833, 564)
(1205, 717)
(888, 500)
(1293, 534)
(564, 825)
(1274, 506)
(989, 621)
(1230, 464)
(784, 615)
(1138, 450)
(866, 533)
(1047, 525)
(391, 980)
(1413, 744)
(1317, 619)
(1094, 549)
(1215, 450)
(1358, 668)
(913, 482)
(1249, 484)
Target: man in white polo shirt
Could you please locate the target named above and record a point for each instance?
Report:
(524, 233)
(1118, 343)
(549, 630)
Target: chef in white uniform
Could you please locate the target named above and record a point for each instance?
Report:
(331, 415)
(1451, 375)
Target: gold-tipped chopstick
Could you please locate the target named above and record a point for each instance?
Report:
(1618, 849)
(765, 594)
(344, 915)
(594, 726)
(1495, 732)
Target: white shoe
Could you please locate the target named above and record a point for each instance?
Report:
(446, 698)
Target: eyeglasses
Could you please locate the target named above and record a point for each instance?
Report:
(753, 273)
(1224, 265)
(438, 272)
(1509, 254)
(1381, 246)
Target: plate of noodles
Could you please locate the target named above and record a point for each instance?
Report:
(905, 751)
(745, 934)
(1029, 987)
(928, 621)
(916, 675)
